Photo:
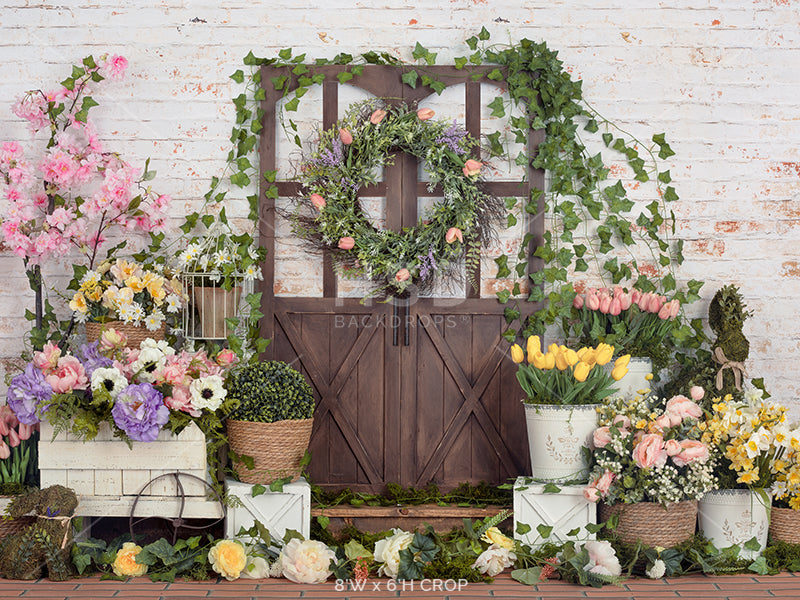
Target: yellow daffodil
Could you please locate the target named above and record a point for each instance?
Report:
(748, 477)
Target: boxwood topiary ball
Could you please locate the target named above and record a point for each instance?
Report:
(268, 392)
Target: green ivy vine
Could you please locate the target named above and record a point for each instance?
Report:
(591, 216)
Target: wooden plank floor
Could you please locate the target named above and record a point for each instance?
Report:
(733, 587)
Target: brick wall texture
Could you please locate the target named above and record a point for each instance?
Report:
(719, 77)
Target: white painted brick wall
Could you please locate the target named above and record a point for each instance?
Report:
(720, 78)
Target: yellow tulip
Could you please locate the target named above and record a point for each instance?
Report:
(623, 360)
(572, 357)
(581, 371)
(534, 346)
(539, 361)
(549, 360)
(561, 361)
(552, 348)
(618, 373)
(582, 352)
(604, 353)
(589, 357)
(516, 353)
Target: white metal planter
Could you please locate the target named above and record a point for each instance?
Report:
(556, 435)
(277, 511)
(565, 511)
(729, 517)
(635, 383)
(107, 475)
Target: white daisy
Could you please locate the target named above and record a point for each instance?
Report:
(154, 320)
(190, 255)
(90, 279)
(207, 392)
(137, 312)
(125, 313)
(173, 303)
(252, 272)
(108, 379)
(223, 256)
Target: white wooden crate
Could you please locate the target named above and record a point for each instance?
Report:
(107, 474)
(277, 511)
(564, 511)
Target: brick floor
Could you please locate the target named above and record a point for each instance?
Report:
(733, 587)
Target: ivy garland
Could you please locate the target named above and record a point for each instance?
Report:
(348, 157)
(593, 222)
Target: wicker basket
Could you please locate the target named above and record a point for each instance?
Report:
(276, 448)
(653, 524)
(784, 525)
(135, 334)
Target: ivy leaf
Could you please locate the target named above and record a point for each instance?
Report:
(664, 177)
(324, 521)
(410, 78)
(472, 43)
(285, 54)
(523, 528)
(512, 220)
(292, 104)
(544, 530)
(344, 77)
(498, 109)
(495, 75)
(354, 550)
(258, 490)
(460, 62)
(591, 126)
(238, 76)
(502, 266)
(484, 34)
(664, 151)
(551, 488)
(760, 566)
(529, 576)
(503, 296)
(670, 195)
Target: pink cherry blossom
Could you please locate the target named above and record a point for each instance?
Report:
(114, 67)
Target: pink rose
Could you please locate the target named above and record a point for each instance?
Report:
(692, 451)
(402, 275)
(649, 452)
(472, 167)
(663, 422)
(47, 360)
(672, 447)
(453, 234)
(684, 408)
(603, 483)
(318, 201)
(601, 437)
(377, 116)
(227, 358)
(68, 375)
(181, 400)
(622, 421)
(346, 243)
(697, 393)
(591, 494)
(346, 137)
(423, 114)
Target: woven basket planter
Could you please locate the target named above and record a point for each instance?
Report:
(10, 526)
(135, 334)
(651, 523)
(784, 525)
(276, 448)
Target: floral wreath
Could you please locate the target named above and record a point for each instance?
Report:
(348, 157)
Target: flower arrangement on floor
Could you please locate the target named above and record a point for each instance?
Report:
(633, 322)
(749, 440)
(137, 391)
(647, 455)
(347, 158)
(18, 462)
(130, 292)
(564, 376)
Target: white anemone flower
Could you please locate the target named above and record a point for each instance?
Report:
(207, 392)
(109, 379)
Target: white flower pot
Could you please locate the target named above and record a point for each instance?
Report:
(635, 381)
(556, 436)
(729, 517)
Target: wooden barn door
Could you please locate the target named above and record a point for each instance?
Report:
(411, 391)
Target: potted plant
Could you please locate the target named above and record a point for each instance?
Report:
(784, 522)
(748, 439)
(17, 466)
(563, 388)
(218, 270)
(633, 322)
(650, 468)
(125, 296)
(271, 422)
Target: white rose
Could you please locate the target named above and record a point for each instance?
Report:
(257, 567)
(657, 570)
(602, 558)
(388, 549)
(306, 561)
(494, 559)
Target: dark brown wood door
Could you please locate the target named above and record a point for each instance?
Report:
(411, 391)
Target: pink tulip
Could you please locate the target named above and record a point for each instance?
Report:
(4, 429)
(676, 307)
(635, 296)
(346, 243)
(423, 114)
(25, 431)
(402, 275)
(697, 393)
(577, 302)
(318, 201)
(644, 301)
(592, 301)
(346, 137)
(13, 438)
(453, 234)
(5, 451)
(472, 167)
(618, 291)
(656, 302)
(377, 116)
(605, 304)
(615, 307)
(625, 301)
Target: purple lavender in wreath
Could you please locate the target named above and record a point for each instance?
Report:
(29, 395)
(452, 137)
(427, 264)
(140, 412)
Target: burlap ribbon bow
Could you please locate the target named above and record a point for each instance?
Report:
(736, 367)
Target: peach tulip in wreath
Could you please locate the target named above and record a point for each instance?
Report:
(347, 158)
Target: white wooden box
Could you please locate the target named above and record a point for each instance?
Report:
(277, 511)
(564, 511)
(107, 474)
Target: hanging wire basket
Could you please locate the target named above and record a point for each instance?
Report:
(209, 306)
